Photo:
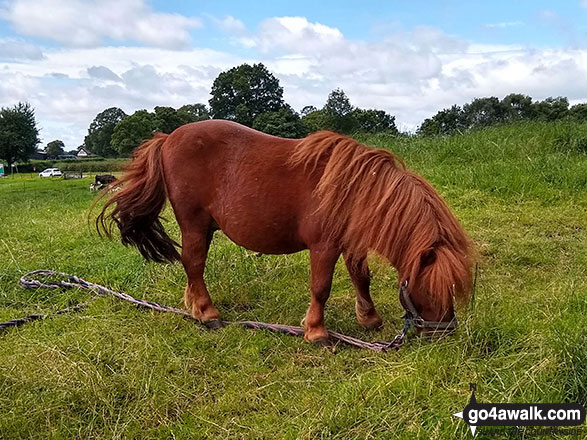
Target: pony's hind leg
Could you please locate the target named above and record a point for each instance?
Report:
(322, 262)
(358, 269)
(195, 242)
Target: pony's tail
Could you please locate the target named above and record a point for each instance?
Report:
(138, 202)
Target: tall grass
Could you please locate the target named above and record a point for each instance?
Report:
(113, 371)
(537, 160)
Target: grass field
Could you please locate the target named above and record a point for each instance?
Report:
(113, 371)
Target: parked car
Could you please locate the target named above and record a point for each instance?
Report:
(50, 172)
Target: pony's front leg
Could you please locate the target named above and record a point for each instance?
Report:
(322, 262)
(358, 269)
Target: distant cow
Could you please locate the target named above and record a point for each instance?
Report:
(102, 180)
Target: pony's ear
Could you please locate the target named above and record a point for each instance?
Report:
(427, 258)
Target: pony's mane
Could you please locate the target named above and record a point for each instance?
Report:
(369, 201)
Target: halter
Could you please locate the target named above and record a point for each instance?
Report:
(413, 319)
(416, 320)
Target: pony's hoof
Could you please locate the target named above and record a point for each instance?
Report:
(323, 343)
(374, 326)
(375, 323)
(368, 319)
(214, 324)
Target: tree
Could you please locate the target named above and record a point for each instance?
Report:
(196, 112)
(482, 112)
(307, 110)
(338, 107)
(338, 104)
(518, 106)
(55, 148)
(552, 109)
(317, 120)
(284, 122)
(98, 139)
(132, 130)
(19, 135)
(445, 122)
(579, 112)
(244, 92)
(168, 119)
(374, 121)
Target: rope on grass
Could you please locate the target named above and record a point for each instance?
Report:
(38, 279)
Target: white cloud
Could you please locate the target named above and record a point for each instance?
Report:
(414, 74)
(229, 24)
(293, 34)
(15, 86)
(89, 23)
(410, 74)
(504, 24)
(14, 49)
(68, 87)
(102, 72)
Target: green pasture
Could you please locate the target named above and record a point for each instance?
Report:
(114, 371)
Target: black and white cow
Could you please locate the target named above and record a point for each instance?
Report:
(102, 181)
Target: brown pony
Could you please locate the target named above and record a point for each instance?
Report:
(326, 193)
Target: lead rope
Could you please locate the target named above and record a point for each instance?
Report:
(71, 281)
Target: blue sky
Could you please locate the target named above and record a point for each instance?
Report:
(496, 22)
(73, 58)
(530, 23)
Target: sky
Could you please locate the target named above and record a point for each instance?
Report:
(71, 59)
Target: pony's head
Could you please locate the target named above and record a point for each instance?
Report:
(438, 277)
(433, 255)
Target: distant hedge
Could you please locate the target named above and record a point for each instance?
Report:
(91, 167)
(79, 165)
(40, 165)
(85, 159)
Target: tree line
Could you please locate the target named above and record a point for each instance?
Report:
(113, 133)
(247, 94)
(483, 112)
(251, 95)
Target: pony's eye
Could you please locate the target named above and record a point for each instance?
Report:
(427, 258)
